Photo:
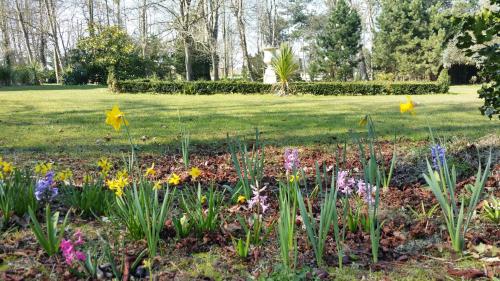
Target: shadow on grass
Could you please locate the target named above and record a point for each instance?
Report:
(51, 87)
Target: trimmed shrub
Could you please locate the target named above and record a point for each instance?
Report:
(5, 75)
(314, 88)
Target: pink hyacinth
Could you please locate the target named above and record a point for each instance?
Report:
(292, 159)
(68, 249)
(258, 199)
(345, 184)
(365, 191)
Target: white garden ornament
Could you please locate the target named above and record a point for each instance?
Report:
(269, 74)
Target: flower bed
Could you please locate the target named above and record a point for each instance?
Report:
(297, 221)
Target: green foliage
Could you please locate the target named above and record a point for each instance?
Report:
(339, 42)
(373, 179)
(151, 213)
(202, 211)
(491, 210)
(314, 88)
(444, 80)
(410, 38)
(443, 184)
(242, 247)
(91, 199)
(200, 59)
(51, 239)
(5, 75)
(17, 194)
(185, 147)
(479, 39)
(286, 225)
(248, 166)
(25, 75)
(111, 49)
(317, 233)
(285, 66)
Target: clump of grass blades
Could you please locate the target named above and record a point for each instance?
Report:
(249, 166)
(202, 211)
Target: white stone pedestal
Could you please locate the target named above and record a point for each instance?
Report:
(269, 74)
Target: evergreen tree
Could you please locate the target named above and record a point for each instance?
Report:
(411, 38)
(338, 44)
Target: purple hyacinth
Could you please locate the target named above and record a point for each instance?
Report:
(44, 190)
(292, 159)
(345, 184)
(438, 154)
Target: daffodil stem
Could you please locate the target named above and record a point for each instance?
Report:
(131, 164)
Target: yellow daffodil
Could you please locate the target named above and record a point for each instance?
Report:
(119, 192)
(194, 173)
(203, 199)
(157, 185)
(64, 175)
(122, 174)
(363, 121)
(150, 171)
(116, 118)
(294, 178)
(409, 106)
(174, 179)
(104, 166)
(7, 167)
(42, 168)
(241, 199)
(117, 184)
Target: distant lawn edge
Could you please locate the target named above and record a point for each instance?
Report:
(313, 88)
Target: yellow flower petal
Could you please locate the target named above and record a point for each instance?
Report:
(195, 172)
(241, 199)
(174, 179)
(116, 118)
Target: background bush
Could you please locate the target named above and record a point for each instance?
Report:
(314, 88)
(5, 75)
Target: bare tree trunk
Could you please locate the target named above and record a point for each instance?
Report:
(25, 32)
(224, 40)
(238, 13)
(7, 51)
(90, 5)
(188, 53)
(143, 26)
(185, 19)
(118, 12)
(53, 26)
(211, 16)
(107, 12)
(42, 57)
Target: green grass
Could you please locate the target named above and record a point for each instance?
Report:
(70, 120)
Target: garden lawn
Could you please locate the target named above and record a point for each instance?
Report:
(70, 119)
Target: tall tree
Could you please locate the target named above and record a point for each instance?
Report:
(51, 15)
(410, 39)
(238, 10)
(6, 44)
(339, 42)
(22, 22)
(211, 18)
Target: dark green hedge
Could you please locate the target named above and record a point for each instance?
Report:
(314, 88)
